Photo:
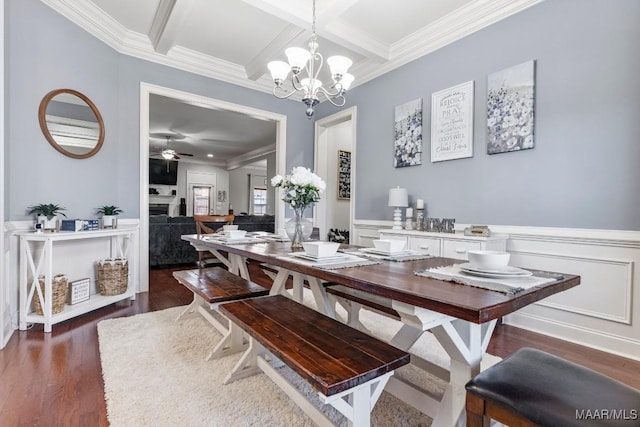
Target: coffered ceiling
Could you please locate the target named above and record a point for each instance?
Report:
(233, 40)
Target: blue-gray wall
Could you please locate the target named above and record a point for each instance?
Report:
(45, 51)
(585, 168)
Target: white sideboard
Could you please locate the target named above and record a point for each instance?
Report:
(448, 245)
(78, 252)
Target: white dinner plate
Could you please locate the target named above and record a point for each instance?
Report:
(377, 251)
(507, 271)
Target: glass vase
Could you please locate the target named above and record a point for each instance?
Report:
(298, 228)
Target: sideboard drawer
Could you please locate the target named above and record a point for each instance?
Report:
(422, 244)
(458, 250)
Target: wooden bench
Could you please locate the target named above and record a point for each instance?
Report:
(347, 368)
(534, 388)
(211, 287)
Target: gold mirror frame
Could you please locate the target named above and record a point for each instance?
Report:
(42, 118)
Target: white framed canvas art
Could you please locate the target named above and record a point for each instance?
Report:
(407, 132)
(510, 109)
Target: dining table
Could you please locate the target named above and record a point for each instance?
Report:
(462, 318)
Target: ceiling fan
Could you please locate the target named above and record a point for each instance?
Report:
(168, 153)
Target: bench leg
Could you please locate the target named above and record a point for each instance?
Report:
(190, 308)
(248, 363)
(357, 403)
(232, 342)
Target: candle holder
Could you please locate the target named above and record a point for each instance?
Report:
(408, 223)
(420, 219)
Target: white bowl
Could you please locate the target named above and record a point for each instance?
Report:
(235, 234)
(229, 227)
(320, 249)
(489, 259)
(389, 246)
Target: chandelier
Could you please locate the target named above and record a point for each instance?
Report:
(311, 61)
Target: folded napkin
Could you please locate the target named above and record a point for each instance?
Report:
(509, 286)
(333, 264)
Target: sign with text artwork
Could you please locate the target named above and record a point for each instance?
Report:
(452, 123)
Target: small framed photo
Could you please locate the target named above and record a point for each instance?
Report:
(79, 290)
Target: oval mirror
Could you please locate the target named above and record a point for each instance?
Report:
(71, 123)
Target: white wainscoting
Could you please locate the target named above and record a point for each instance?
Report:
(603, 312)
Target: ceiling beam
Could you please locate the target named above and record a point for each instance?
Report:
(250, 157)
(167, 23)
(258, 64)
(328, 26)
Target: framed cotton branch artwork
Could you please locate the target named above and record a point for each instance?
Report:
(407, 134)
(510, 109)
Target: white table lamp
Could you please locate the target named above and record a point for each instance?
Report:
(398, 198)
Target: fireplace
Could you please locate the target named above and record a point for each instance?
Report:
(158, 208)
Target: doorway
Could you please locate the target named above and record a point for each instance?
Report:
(145, 91)
(334, 162)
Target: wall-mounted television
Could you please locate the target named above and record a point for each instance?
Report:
(164, 172)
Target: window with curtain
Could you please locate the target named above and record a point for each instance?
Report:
(259, 201)
(201, 200)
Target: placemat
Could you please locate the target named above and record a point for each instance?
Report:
(508, 286)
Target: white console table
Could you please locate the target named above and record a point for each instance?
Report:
(37, 260)
(448, 245)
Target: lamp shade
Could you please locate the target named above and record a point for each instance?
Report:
(399, 197)
(346, 81)
(339, 64)
(312, 87)
(297, 57)
(279, 70)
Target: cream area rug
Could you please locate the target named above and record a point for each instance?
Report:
(155, 374)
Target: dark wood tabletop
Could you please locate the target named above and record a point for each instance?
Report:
(397, 281)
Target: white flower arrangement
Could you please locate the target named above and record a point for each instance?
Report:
(301, 188)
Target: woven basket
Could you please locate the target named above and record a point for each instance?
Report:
(59, 286)
(113, 276)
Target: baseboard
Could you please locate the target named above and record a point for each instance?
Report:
(8, 328)
(598, 340)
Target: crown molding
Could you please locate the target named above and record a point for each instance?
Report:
(452, 27)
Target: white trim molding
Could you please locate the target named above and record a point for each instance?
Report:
(380, 58)
(5, 316)
(599, 313)
(146, 89)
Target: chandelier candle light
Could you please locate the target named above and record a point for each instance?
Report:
(311, 60)
(398, 198)
(300, 190)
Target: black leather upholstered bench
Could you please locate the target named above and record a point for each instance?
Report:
(534, 388)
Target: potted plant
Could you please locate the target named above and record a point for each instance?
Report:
(46, 214)
(109, 214)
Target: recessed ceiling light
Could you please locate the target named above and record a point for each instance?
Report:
(209, 155)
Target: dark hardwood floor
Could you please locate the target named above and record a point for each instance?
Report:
(56, 380)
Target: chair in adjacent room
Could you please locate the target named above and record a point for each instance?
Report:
(209, 224)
